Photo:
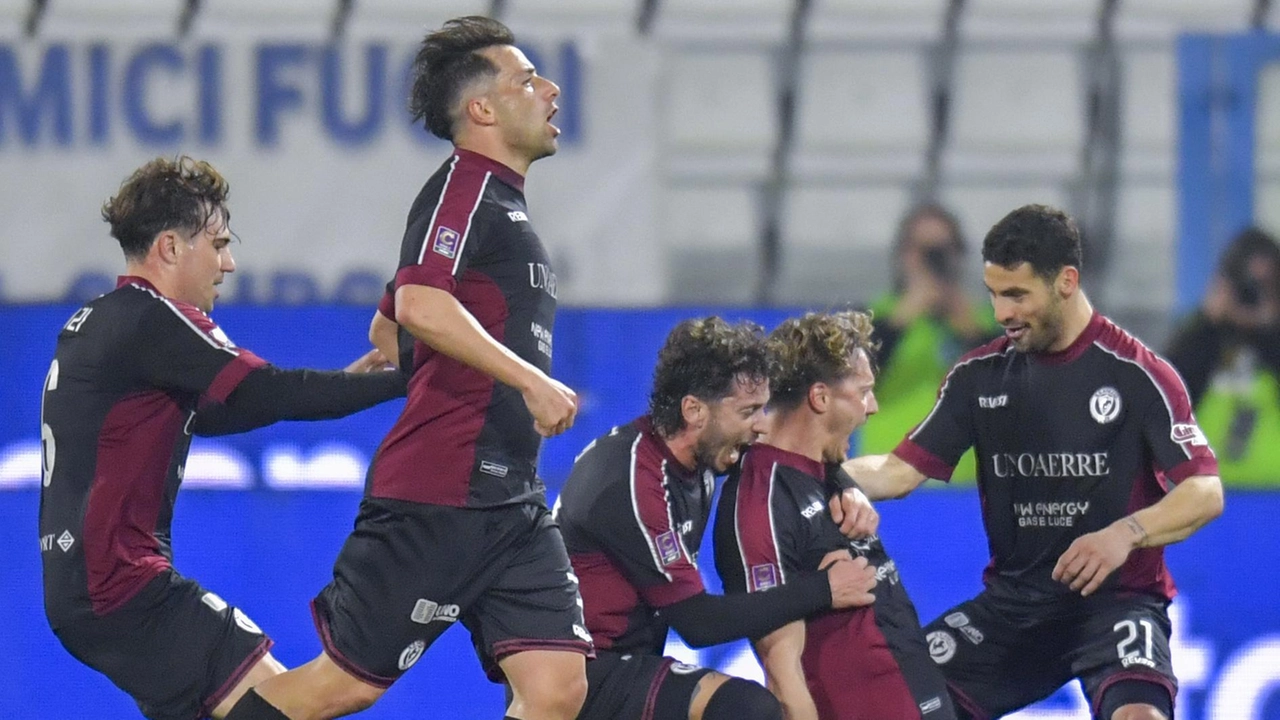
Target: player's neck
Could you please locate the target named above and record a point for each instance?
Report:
(682, 447)
(798, 431)
(1077, 313)
(492, 147)
(158, 279)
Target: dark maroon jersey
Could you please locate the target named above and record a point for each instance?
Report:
(773, 526)
(130, 370)
(1067, 443)
(632, 518)
(463, 438)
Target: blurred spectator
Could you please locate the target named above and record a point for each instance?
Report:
(1228, 352)
(924, 325)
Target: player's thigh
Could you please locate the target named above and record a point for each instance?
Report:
(1120, 641)
(266, 667)
(636, 687)
(405, 575)
(995, 663)
(175, 647)
(533, 602)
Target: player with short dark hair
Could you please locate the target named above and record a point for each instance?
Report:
(633, 513)
(454, 525)
(1089, 462)
(136, 373)
(772, 533)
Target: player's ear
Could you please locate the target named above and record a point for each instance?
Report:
(165, 247)
(694, 411)
(818, 397)
(1068, 280)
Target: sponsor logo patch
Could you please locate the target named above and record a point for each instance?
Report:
(518, 216)
(65, 541)
(956, 619)
(942, 646)
(928, 706)
(1104, 406)
(1187, 433)
(679, 668)
(990, 402)
(812, 510)
(446, 242)
(426, 611)
(494, 469)
(972, 634)
(411, 654)
(764, 576)
(668, 547)
(244, 622)
(582, 633)
(214, 602)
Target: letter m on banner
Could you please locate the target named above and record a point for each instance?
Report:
(46, 103)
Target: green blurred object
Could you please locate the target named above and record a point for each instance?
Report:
(1242, 424)
(908, 380)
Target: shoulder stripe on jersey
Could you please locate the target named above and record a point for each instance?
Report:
(183, 317)
(1168, 404)
(942, 391)
(466, 233)
(635, 508)
(426, 239)
(773, 532)
(433, 227)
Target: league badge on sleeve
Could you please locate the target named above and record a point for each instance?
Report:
(763, 577)
(1188, 434)
(668, 547)
(446, 242)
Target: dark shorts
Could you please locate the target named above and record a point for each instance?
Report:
(639, 687)
(175, 647)
(999, 656)
(409, 572)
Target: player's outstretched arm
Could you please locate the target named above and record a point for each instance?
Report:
(705, 619)
(1092, 558)
(270, 394)
(780, 652)
(384, 335)
(437, 318)
(883, 477)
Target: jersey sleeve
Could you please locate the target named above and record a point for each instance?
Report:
(937, 443)
(646, 543)
(1178, 446)
(770, 539)
(439, 247)
(179, 347)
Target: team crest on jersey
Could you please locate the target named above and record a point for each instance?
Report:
(942, 646)
(1104, 406)
(668, 547)
(764, 577)
(446, 242)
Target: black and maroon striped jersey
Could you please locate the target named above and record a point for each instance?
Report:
(632, 518)
(464, 439)
(772, 527)
(1066, 443)
(130, 370)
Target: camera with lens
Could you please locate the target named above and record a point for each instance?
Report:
(941, 262)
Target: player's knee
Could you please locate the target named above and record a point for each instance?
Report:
(561, 699)
(1138, 712)
(739, 699)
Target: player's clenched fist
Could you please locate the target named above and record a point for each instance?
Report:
(553, 406)
(851, 579)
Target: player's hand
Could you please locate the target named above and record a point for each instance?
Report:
(371, 361)
(1092, 558)
(552, 404)
(851, 579)
(854, 513)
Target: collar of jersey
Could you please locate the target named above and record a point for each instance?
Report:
(1078, 346)
(767, 453)
(122, 280)
(488, 164)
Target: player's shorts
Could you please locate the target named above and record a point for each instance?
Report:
(175, 647)
(639, 687)
(999, 656)
(409, 571)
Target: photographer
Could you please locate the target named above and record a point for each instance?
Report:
(1228, 352)
(924, 325)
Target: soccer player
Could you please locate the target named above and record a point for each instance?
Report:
(136, 373)
(1089, 462)
(772, 533)
(454, 525)
(633, 513)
